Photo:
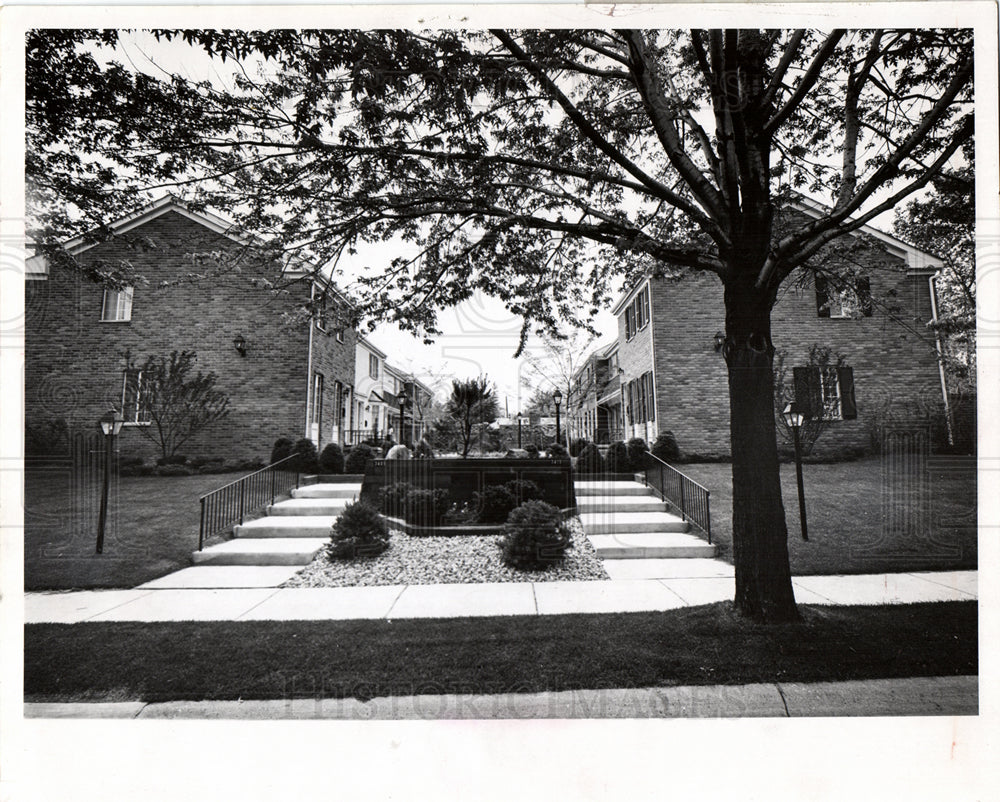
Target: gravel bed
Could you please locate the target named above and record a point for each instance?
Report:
(440, 560)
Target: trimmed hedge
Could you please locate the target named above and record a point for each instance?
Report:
(332, 459)
(590, 460)
(357, 457)
(283, 447)
(665, 447)
(359, 532)
(637, 450)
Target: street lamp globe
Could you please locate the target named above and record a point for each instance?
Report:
(792, 416)
(557, 397)
(111, 422)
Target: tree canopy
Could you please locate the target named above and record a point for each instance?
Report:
(504, 157)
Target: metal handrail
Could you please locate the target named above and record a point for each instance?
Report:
(230, 504)
(684, 493)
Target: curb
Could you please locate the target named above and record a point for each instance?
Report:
(916, 696)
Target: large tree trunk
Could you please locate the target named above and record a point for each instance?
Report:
(760, 547)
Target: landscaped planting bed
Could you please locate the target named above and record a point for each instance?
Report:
(434, 560)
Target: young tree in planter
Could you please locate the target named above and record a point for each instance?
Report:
(177, 402)
(541, 167)
(472, 404)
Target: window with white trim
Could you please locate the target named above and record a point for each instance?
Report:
(373, 366)
(117, 305)
(852, 299)
(316, 415)
(135, 398)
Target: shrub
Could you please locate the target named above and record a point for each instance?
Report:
(306, 457)
(425, 507)
(173, 459)
(283, 447)
(398, 452)
(590, 460)
(665, 447)
(637, 450)
(133, 466)
(494, 504)
(357, 457)
(523, 490)
(532, 450)
(617, 460)
(200, 462)
(557, 451)
(424, 449)
(46, 439)
(577, 445)
(332, 459)
(392, 498)
(535, 536)
(174, 470)
(358, 532)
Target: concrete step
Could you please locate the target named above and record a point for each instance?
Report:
(650, 545)
(608, 523)
(345, 490)
(594, 504)
(287, 526)
(262, 551)
(309, 506)
(611, 488)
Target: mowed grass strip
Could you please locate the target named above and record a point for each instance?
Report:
(866, 516)
(152, 528)
(365, 659)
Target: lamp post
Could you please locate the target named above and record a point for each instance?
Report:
(110, 423)
(557, 399)
(402, 399)
(794, 418)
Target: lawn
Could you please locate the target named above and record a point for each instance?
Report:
(152, 528)
(864, 518)
(705, 645)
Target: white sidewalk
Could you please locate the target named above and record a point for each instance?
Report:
(260, 598)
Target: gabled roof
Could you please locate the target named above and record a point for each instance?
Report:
(916, 259)
(366, 343)
(36, 267)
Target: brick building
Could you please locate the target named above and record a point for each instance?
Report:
(376, 405)
(673, 375)
(202, 287)
(596, 403)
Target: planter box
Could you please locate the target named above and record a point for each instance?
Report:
(461, 478)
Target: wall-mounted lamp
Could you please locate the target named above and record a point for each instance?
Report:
(240, 344)
(719, 340)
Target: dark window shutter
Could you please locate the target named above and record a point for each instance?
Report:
(863, 287)
(808, 391)
(822, 296)
(848, 406)
(652, 397)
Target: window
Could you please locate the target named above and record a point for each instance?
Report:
(637, 313)
(826, 392)
(373, 366)
(117, 305)
(641, 399)
(135, 398)
(316, 414)
(850, 299)
(340, 335)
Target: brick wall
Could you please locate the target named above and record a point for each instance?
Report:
(889, 358)
(635, 357)
(74, 362)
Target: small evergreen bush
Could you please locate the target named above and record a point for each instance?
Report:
(425, 507)
(535, 536)
(424, 449)
(637, 450)
(47, 439)
(665, 447)
(392, 497)
(283, 447)
(494, 504)
(174, 470)
(173, 459)
(617, 460)
(523, 490)
(357, 457)
(359, 532)
(332, 458)
(576, 446)
(532, 450)
(557, 451)
(590, 460)
(307, 458)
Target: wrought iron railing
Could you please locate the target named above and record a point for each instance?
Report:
(680, 491)
(353, 437)
(606, 435)
(230, 504)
